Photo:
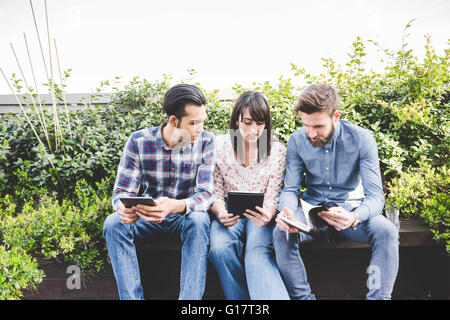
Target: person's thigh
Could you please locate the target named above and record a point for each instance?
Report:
(141, 229)
(376, 228)
(176, 224)
(259, 237)
(144, 230)
(173, 223)
(221, 235)
(364, 232)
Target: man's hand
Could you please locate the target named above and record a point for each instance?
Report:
(164, 206)
(283, 226)
(260, 219)
(127, 215)
(227, 219)
(338, 217)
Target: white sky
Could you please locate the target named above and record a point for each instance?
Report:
(227, 42)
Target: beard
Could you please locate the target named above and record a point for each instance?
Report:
(322, 140)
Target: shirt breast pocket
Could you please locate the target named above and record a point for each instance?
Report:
(345, 172)
(187, 169)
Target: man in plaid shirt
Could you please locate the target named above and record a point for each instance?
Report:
(174, 164)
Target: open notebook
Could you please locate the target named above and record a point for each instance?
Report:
(315, 226)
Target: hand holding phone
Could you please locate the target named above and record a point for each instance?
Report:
(127, 215)
(129, 202)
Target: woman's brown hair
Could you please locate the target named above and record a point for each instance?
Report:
(259, 110)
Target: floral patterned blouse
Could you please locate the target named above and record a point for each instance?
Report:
(265, 176)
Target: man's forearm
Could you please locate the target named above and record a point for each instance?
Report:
(288, 199)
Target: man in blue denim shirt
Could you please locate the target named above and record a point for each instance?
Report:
(340, 164)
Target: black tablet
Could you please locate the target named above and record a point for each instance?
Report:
(239, 201)
(128, 202)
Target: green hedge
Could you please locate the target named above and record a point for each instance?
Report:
(18, 271)
(424, 192)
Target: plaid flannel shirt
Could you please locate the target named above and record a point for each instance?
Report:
(183, 172)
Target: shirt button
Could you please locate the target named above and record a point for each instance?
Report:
(326, 168)
(328, 182)
(326, 151)
(331, 188)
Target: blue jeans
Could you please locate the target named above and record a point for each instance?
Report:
(243, 256)
(193, 229)
(379, 232)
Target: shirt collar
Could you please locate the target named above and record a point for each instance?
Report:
(158, 137)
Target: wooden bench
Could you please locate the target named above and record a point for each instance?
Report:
(335, 271)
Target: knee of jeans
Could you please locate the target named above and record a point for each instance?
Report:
(196, 226)
(198, 219)
(278, 235)
(222, 250)
(257, 255)
(111, 224)
(383, 230)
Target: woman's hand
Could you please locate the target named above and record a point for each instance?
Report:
(261, 218)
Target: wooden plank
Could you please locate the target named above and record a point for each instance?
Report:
(54, 286)
(56, 289)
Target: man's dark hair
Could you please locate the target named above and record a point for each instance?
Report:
(177, 97)
(318, 98)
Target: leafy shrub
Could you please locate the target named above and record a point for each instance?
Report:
(18, 271)
(70, 229)
(424, 192)
(407, 107)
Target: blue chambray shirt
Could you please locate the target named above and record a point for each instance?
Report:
(335, 172)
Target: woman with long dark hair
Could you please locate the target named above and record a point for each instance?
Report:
(247, 159)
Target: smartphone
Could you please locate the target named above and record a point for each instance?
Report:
(128, 202)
